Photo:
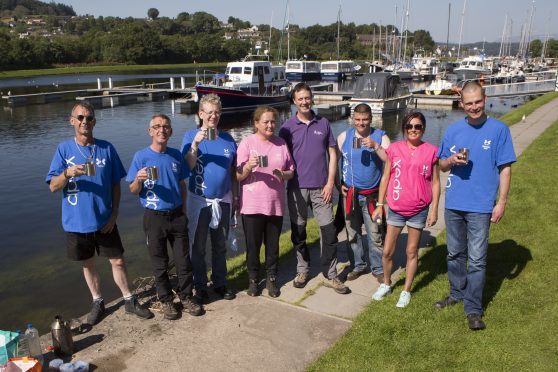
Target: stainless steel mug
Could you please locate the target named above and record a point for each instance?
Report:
(211, 134)
(357, 142)
(152, 173)
(262, 161)
(90, 169)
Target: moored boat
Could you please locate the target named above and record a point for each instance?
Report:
(302, 70)
(382, 91)
(337, 70)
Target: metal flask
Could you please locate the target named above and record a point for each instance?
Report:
(62, 340)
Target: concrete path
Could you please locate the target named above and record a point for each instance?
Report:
(258, 333)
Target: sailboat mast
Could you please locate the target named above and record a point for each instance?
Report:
(461, 29)
(449, 17)
(338, 28)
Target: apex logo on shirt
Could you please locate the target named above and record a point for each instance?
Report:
(317, 132)
(486, 144)
(424, 170)
(226, 152)
(101, 162)
(174, 167)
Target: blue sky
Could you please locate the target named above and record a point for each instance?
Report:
(484, 19)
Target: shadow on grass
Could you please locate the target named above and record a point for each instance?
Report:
(505, 261)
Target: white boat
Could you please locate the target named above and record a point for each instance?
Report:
(426, 67)
(248, 84)
(446, 85)
(382, 91)
(337, 70)
(405, 71)
(472, 68)
(302, 70)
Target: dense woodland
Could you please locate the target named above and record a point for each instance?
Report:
(64, 39)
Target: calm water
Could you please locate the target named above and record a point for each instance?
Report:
(37, 281)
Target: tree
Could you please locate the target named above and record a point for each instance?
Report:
(153, 13)
(205, 22)
(535, 48)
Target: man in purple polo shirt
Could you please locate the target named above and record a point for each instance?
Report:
(310, 141)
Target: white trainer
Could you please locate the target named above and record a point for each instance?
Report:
(404, 299)
(381, 292)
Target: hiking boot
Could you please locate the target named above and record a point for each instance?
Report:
(224, 293)
(192, 307)
(131, 306)
(354, 275)
(404, 299)
(253, 288)
(271, 286)
(201, 297)
(448, 301)
(379, 277)
(337, 285)
(300, 280)
(475, 322)
(382, 291)
(169, 311)
(97, 312)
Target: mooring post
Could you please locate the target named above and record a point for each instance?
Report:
(110, 83)
(99, 86)
(172, 83)
(183, 83)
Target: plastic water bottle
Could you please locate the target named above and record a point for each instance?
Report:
(22, 345)
(34, 342)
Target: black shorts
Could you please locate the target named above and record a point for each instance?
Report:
(82, 246)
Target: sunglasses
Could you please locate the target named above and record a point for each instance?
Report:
(163, 127)
(81, 117)
(414, 126)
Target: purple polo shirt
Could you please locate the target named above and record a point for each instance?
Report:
(308, 145)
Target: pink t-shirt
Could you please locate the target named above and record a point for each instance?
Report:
(410, 183)
(261, 192)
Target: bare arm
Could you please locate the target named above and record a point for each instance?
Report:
(433, 213)
(192, 154)
(447, 163)
(504, 188)
(327, 191)
(383, 190)
(59, 182)
(137, 184)
(116, 193)
(243, 171)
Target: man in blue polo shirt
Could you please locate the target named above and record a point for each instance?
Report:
(88, 171)
(310, 141)
(361, 168)
(212, 196)
(157, 175)
(478, 152)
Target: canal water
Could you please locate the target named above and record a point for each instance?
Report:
(36, 280)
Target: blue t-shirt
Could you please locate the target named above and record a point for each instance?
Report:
(473, 187)
(308, 144)
(162, 194)
(87, 200)
(361, 168)
(211, 177)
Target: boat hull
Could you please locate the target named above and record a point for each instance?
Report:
(237, 100)
(303, 76)
(380, 106)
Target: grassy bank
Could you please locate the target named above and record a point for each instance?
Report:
(110, 69)
(515, 116)
(521, 310)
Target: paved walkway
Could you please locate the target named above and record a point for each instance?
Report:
(258, 333)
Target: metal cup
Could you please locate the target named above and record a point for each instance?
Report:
(152, 173)
(464, 152)
(211, 134)
(262, 161)
(357, 143)
(90, 169)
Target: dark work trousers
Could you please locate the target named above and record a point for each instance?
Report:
(260, 228)
(161, 227)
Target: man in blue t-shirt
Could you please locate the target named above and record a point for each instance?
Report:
(361, 172)
(157, 175)
(212, 196)
(478, 152)
(88, 171)
(310, 140)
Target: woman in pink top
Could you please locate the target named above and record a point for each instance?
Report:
(263, 164)
(410, 183)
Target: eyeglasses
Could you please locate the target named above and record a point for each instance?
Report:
(162, 127)
(211, 113)
(414, 126)
(81, 117)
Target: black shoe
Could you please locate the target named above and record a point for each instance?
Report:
(379, 277)
(169, 311)
(253, 288)
(475, 322)
(96, 313)
(201, 297)
(132, 306)
(271, 286)
(225, 293)
(448, 301)
(191, 306)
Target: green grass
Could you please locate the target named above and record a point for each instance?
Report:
(521, 305)
(108, 69)
(516, 115)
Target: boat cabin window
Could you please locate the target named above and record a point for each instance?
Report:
(247, 70)
(293, 65)
(266, 70)
(235, 70)
(329, 66)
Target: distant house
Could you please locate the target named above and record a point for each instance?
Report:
(228, 35)
(226, 26)
(248, 33)
(24, 35)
